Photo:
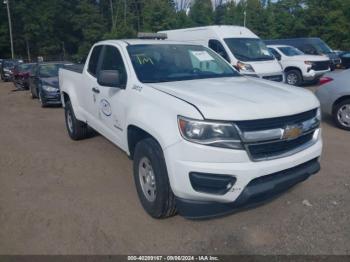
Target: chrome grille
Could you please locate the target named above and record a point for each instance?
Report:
(272, 138)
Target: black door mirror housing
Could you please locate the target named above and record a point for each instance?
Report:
(109, 78)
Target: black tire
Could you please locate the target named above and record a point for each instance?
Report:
(164, 203)
(32, 93)
(336, 111)
(293, 77)
(77, 130)
(42, 102)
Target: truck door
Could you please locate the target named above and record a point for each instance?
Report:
(89, 88)
(111, 101)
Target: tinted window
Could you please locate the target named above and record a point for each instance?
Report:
(218, 48)
(248, 49)
(25, 67)
(290, 51)
(94, 60)
(275, 53)
(112, 60)
(309, 49)
(170, 62)
(49, 70)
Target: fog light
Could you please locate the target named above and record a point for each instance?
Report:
(212, 183)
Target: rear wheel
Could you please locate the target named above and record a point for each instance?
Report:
(151, 180)
(77, 130)
(293, 77)
(341, 114)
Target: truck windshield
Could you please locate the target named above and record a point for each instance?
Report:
(248, 49)
(322, 47)
(290, 51)
(154, 63)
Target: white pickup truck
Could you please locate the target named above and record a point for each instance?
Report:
(299, 67)
(205, 140)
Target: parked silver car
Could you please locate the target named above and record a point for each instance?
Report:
(334, 96)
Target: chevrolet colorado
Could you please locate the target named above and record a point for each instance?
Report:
(204, 140)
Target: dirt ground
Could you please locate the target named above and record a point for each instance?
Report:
(58, 196)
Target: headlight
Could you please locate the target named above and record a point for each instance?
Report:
(49, 88)
(210, 133)
(308, 63)
(245, 67)
(319, 114)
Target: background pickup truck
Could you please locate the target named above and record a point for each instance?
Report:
(204, 140)
(299, 67)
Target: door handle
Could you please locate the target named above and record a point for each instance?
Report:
(95, 90)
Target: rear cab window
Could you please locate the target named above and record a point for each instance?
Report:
(94, 58)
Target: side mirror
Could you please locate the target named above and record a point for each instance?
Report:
(109, 78)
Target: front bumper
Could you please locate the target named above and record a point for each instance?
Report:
(258, 191)
(7, 76)
(312, 74)
(185, 157)
(51, 98)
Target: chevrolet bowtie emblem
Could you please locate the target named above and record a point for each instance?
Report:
(292, 132)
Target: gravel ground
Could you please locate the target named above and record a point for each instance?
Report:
(58, 196)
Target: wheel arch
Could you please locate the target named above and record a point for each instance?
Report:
(289, 68)
(339, 100)
(135, 134)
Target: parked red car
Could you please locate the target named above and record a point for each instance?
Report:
(21, 75)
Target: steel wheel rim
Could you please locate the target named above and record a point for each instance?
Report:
(70, 121)
(343, 115)
(147, 179)
(292, 79)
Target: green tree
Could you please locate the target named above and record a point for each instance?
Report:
(201, 12)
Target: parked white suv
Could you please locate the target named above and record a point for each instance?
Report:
(204, 139)
(299, 67)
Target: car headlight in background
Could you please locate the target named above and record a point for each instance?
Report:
(216, 134)
(244, 67)
(49, 88)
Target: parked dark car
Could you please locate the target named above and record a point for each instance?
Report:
(310, 46)
(43, 83)
(21, 75)
(345, 59)
(7, 68)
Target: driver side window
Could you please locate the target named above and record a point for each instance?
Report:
(218, 48)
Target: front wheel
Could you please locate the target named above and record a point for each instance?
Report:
(151, 180)
(341, 114)
(42, 101)
(77, 130)
(293, 77)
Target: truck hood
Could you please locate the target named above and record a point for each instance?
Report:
(240, 98)
(270, 67)
(312, 58)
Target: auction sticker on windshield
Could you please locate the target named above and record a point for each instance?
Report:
(202, 56)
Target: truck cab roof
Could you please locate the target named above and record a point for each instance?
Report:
(141, 42)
